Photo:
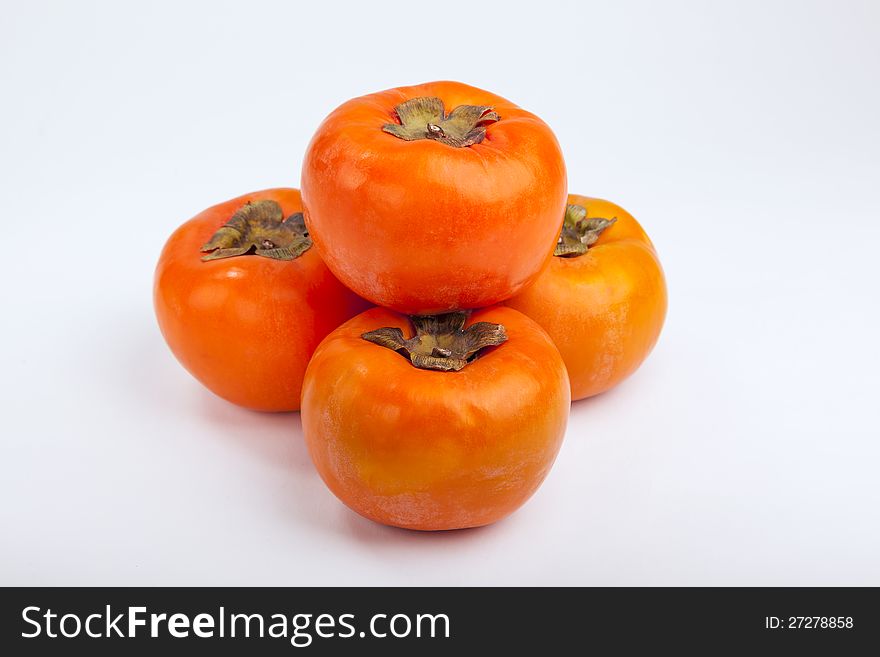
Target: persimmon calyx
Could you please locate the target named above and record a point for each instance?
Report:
(259, 228)
(440, 342)
(578, 232)
(426, 118)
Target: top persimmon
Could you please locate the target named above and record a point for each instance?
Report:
(434, 197)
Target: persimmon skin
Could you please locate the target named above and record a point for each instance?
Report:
(604, 309)
(422, 227)
(246, 326)
(433, 450)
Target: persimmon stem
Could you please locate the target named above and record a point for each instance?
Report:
(259, 228)
(440, 342)
(426, 118)
(579, 233)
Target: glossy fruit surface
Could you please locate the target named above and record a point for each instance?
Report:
(246, 326)
(423, 223)
(434, 450)
(604, 309)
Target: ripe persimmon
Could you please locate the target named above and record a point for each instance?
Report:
(243, 300)
(434, 197)
(438, 422)
(602, 298)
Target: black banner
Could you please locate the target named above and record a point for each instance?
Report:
(417, 621)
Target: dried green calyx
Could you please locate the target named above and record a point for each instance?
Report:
(578, 232)
(440, 342)
(426, 118)
(259, 228)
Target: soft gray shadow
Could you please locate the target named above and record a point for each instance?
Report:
(148, 371)
(154, 375)
(274, 438)
(626, 389)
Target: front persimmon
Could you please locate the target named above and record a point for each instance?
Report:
(602, 298)
(243, 300)
(434, 197)
(454, 424)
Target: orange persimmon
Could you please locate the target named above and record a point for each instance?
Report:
(434, 197)
(243, 300)
(602, 298)
(435, 423)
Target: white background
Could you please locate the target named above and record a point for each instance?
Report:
(745, 136)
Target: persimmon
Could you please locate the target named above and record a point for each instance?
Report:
(434, 197)
(243, 300)
(602, 298)
(435, 423)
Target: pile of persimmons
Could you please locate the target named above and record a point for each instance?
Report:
(431, 302)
